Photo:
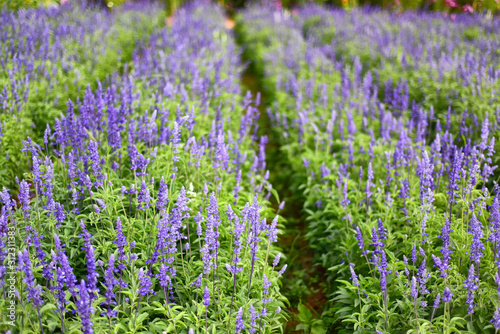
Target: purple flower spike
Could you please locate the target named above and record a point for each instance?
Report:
(85, 309)
(206, 297)
(145, 284)
(240, 325)
(354, 277)
(447, 295)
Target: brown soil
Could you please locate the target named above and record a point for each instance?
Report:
(299, 253)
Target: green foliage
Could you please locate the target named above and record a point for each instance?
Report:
(105, 50)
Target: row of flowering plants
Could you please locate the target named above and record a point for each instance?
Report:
(436, 61)
(144, 209)
(402, 205)
(51, 54)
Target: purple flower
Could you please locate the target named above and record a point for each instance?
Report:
(95, 162)
(283, 269)
(67, 270)
(345, 200)
(110, 282)
(206, 297)
(414, 289)
(237, 187)
(197, 282)
(240, 325)
(496, 319)
(476, 229)
(85, 309)
(383, 281)
(60, 216)
(162, 200)
(443, 265)
(145, 284)
(253, 317)
(24, 198)
(276, 260)
(34, 290)
(354, 277)
(382, 231)
(471, 285)
(414, 254)
(361, 242)
(163, 277)
(447, 295)
(143, 197)
(121, 242)
(437, 301)
(272, 232)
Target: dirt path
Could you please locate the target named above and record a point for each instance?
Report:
(303, 281)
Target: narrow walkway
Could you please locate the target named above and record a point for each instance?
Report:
(304, 281)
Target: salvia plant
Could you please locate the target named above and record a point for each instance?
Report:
(136, 193)
(400, 198)
(49, 55)
(145, 208)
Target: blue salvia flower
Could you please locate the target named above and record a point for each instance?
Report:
(206, 296)
(197, 281)
(476, 229)
(405, 189)
(414, 288)
(471, 286)
(422, 252)
(283, 269)
(35, 239)
(162, 199)
(240, 325)
(495, 220)
(345, 200)
(276, 260)
(60, 216)
(164, 280)
(382, 231)
(85, 309)
(69, 277)
(95, 162)
(34, 290)
(239, 228)
(422, 277)
(110, 282)
(221, 158)
(485, 131)
(121, 242)
(425, 170)
(383, 281)
(24, 198)
(496, 320)
(272, 232)
(369, 184)
(354, 277)
(57, 289)
(253, 317)
(437, 301)
(361, 242)
(143, 197)
(447, 295)
(443, 265)
(91, 273)
(454, 175)
(237, 187)
(145, 284)
(414, 254)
